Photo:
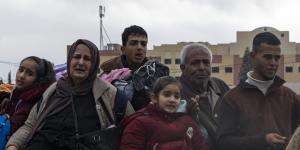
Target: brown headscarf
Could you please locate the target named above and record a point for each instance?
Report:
(84, 87)
(65, 88)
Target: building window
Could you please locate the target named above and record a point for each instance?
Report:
(228, 69)
(215, 70)
(298, 58)
(288, 69)
(168, 61)
(177, 61)
(298, 69)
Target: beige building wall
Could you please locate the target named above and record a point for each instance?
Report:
(292, 69)
(227, 62)
(168, 53)
(245, 38)
(220, 49)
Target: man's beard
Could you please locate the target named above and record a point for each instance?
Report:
(202, 84)
(199, 84)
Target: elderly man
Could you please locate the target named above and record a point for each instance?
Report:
(202, 91)
(260, 113)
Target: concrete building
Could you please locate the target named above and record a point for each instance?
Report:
(227, 58)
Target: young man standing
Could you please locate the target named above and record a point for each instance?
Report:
(260, 113)
(134, 48)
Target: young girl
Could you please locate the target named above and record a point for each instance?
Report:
(159, 126)
(32, 79)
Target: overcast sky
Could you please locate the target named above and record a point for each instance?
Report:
(44, 27)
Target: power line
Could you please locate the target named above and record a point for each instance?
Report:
(105, 31)
(9, 63)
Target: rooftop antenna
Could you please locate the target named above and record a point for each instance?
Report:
(101, 15)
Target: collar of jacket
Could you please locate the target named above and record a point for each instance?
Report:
(117, 63)
(277, 82)
(99, 87)
(131, 67)
(111, 64)
(152, 109)
(212, 83)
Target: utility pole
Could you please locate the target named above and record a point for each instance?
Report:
(101, 15)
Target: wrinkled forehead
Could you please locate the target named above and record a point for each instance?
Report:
(198, 54)
(82, 49)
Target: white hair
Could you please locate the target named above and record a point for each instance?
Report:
(194, 46)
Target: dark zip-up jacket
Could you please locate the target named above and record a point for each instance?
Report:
(247, 115)
(207, 116)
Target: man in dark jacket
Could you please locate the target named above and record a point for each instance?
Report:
(260, 113)
(134, 48)
(202, 92)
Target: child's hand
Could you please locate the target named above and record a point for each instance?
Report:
(193, 105)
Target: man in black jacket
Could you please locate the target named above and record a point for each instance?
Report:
(260, 113)
(202, 92)
(134, 49)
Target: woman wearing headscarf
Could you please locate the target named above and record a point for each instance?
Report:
(76, 105)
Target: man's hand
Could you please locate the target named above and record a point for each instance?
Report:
(274, 139)
(11, 148)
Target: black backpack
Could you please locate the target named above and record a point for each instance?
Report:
(137, 88)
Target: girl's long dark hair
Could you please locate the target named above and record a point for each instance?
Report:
(45, 71)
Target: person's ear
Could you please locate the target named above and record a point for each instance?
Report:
(123, 49)
(182, 67)
(252, 54)
(153, 98)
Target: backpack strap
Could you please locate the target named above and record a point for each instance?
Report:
(120, 106)
(119, 109)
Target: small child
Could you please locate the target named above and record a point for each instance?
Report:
(161, 127)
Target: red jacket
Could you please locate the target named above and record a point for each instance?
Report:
(157, 130)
